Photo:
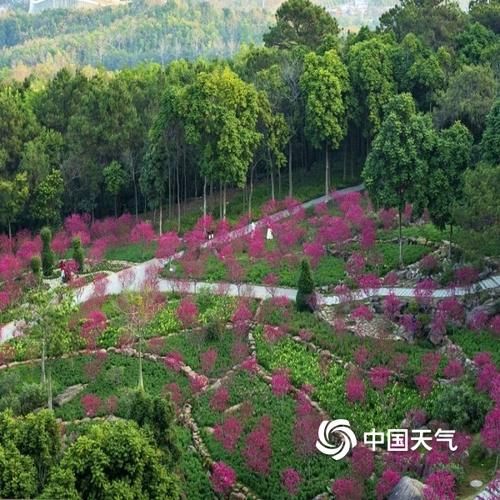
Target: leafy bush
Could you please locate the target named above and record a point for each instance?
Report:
(305, 288)
(461, 406)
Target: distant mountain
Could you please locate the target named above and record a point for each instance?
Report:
(116, 37)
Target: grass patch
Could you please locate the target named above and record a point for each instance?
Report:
(316, 470)
(131, 252)
(474, 342)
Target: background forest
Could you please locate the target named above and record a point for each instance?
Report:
(154, 137)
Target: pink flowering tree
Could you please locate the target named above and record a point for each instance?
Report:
(490, 433)
(314, 250)
(258, 451)
(94, 324)
(222, 478)
(290, 480)
(424, 290)
(387, 217)
(454, 369)
(424, 384)
(280, 383)
(362, 312)
(228, 433)
(392, 306)
(387, 482)
(379, 377)
(440, 485)
(220, 399)
(486, 374)
(208, 360)
(355, 389)
(91, 404)
(187, 312)
(362, 462)
(347, 489)
(168, 244)
(142, 233)
(197, 382)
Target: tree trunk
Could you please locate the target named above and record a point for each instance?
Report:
(400, 236)
(211, 195)
(250, 194)
(44, 377)
(141, 378)
(49, 389)
(161, 216)
(271, 173)
(220, 199)
(279, 183)
(344, 176)
(116, 206)
(10, 235)
(185, 175)
(290, 184)
(451, 237)
(205, 196)
(327, 170)
(178, 199)
(170, 192)
(224, 202)
(136, 197)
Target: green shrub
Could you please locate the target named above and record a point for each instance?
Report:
(305, 288)
(462, 407)
(77, 253)
(31, 397)
(47, 253)
(36, 265)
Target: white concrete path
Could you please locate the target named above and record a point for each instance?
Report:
(133, 278)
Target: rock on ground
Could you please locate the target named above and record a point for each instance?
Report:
(407, 489)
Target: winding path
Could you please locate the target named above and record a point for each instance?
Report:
(133, 278)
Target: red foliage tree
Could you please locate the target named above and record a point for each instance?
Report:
(173, 391)
(490, 433)
(228, 433)
(362, 462)
(388, 217)
(485, 376)
(440, 485)
(386, 483)
(347, 489)
(379, 377)
(314, 250)
(280, 383)
(111, 405)
(258, 451)
(290, 480)
(142, 232)
(197, 382)
(362, 312)
(173, 361)
(355, 389)
(222, 478)
(168, 244)
(250, 365)
(220, 399)
(392, 306)
(94, 324)
(10, 266)
(91, 404)
(208, 360)
(187, 312)
(454, 369)
(424, 384)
